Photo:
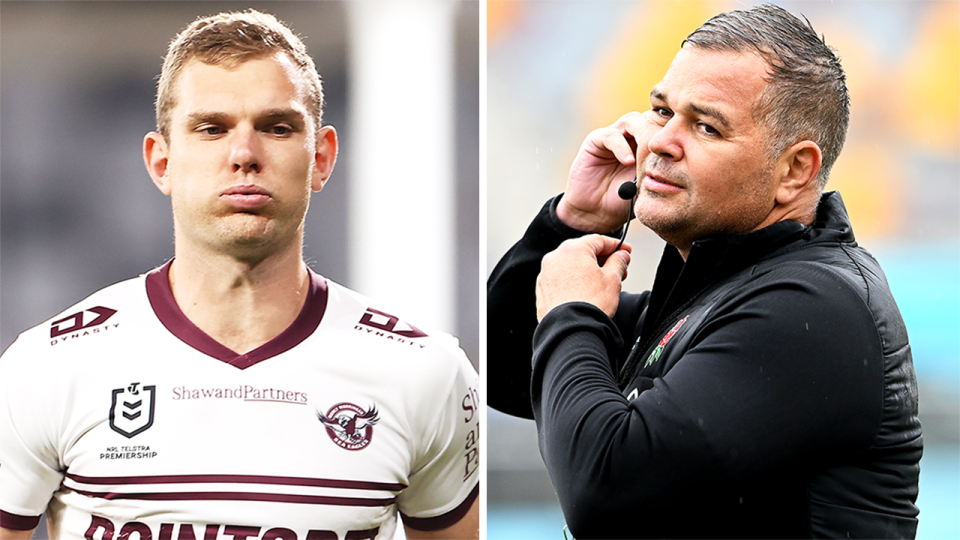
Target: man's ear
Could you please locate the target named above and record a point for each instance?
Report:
(325, 157)
(799, 166)
(155, 157)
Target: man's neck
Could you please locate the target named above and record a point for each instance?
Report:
(240, 305)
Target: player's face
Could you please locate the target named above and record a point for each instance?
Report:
(242, 157)
(704, 168)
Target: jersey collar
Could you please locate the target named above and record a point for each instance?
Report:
(169, 313)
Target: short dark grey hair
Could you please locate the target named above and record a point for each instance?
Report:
(806, 96)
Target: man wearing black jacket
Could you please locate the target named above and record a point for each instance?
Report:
(764, 387)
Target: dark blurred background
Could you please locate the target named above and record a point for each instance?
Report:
(79, 212)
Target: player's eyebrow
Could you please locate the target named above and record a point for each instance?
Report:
(201, 117)
(289, 115)
(273, 115)
(703, 110)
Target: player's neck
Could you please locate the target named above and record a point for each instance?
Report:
(241, 305)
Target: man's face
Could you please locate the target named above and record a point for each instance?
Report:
(241, 157)
(703, 166)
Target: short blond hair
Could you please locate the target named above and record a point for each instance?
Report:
(229, 39)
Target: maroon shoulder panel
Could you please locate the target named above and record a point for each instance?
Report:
(444, 520)
(168, 312)
(18, 523)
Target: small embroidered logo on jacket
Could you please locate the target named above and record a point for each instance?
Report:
(349, 426)
(655, 355)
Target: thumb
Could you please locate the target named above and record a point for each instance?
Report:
(617, 264)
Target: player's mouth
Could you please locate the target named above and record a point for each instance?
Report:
(246, 197)
(659, 184)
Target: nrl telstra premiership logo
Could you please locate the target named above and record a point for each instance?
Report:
(131, 409)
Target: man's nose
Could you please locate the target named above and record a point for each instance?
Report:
(666, 142)
(246, 151)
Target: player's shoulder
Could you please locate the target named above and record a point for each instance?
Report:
(381, 320)
(97, 314)
(378, 327)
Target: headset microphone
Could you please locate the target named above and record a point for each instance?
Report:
(627, 192)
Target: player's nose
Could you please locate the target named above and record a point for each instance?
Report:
(246, 151)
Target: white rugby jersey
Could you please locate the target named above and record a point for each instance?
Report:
(127, 419)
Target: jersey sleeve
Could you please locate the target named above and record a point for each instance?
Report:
(29, 461)
(445, 481)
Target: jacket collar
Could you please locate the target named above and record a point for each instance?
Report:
(714, 258)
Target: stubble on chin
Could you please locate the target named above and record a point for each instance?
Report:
(662, 214)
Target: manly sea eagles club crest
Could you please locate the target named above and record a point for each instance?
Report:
(131, 410)
(349, 426)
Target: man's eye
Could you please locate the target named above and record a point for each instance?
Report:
(708, 129)
(211, 130)
(281, 130)
(661, 111)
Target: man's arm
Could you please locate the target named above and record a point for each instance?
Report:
(29, 461)
(512, 312)
(468, 527)
(590, 204)
(12, 534)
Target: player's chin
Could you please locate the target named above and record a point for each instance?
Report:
(247, 232)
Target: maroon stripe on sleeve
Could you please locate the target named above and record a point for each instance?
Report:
(237, 479)
(18, 523)
(241, 496)
(168, 312)
(442, 521)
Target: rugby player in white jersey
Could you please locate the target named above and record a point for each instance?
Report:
(233, 393)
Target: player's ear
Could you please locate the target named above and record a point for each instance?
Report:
(799, 166)
(325, 157)
(155, 158)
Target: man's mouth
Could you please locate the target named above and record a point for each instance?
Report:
(659, 184)
(246, 197)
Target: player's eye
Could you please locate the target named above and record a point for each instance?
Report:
(281, 130)
(210, 130)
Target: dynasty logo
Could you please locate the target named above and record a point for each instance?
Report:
(81, 324)
(388, 323)
(349, 426)
(131, 409)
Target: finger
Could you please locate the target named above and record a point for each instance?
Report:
(617, 264)
(602, 246)
(603, 142)
(622, 145)
(639, 127)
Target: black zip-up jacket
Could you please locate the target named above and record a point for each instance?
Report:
(763, 388)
